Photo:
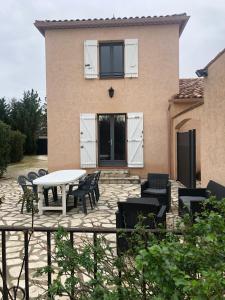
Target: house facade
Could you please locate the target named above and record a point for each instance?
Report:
(200, 105)
(108, 86)
(213, 121)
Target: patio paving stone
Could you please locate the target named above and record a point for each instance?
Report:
(102, 216)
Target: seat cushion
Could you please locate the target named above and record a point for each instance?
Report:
(148, 201)
(152, 191)
(188, 199)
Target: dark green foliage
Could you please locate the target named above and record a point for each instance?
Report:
(43, 123)
(25, 116)
(17, 140)
(29, 199)
(4, 111)
(4, 147)
(189, 265)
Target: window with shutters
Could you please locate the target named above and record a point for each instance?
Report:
(111, 56)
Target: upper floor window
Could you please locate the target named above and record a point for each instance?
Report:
(111, 60)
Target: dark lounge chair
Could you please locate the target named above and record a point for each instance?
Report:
(190, 200)
(157, 185)
(128, 215)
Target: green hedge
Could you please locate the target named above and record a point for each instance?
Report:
(4, 147)
(17, 140)
(11, 146)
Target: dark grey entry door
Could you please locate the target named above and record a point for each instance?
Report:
(112, 139)
(186, 158)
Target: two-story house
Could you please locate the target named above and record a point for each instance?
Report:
(108, 86)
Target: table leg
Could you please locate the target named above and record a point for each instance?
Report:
(64, 199)
(40, 199)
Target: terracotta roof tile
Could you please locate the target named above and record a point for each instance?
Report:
(190, 88)
(180, 19)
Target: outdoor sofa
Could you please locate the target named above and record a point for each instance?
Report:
(157, 185)
(190, 200)
(131, 212)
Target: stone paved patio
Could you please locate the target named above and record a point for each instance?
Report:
(103, 215)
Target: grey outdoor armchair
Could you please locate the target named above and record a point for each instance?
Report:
(157, 185)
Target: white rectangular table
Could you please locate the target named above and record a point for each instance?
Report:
(57, 178)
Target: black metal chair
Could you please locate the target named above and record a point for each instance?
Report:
(42, 172)
(97, 192)
(26, 185)
(157, 185)
(128, 216)
(94, 188)
(190, 201)
(84, 189)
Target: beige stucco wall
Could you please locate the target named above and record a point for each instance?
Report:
(213, 129)
(69, 93)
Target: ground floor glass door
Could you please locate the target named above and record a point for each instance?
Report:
(112, 139)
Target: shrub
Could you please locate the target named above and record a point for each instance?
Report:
(17, 140)
(4, 147)
(189, 265)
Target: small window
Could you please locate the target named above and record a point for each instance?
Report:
(111, 60)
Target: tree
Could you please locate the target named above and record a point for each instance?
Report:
(4, 110)
(43, 124)
(25, 116)
(4, 147)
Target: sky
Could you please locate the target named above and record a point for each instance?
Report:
(22, 48)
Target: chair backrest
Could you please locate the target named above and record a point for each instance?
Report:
(216, 189)
(88, 181)
(42, 172)
(23, 181)
(131, 213)
(32, 176)
(98, 175)
(157, 180)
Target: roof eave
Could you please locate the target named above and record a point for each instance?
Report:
(187, 100)
(39, 28)
(182, 20)
(204, 72)
(183, 24)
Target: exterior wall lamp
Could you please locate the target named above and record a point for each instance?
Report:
(111, 92)
(202, 73)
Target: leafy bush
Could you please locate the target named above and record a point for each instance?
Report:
(190, 266)
(185, 265)
(4, 147)
(17, 140)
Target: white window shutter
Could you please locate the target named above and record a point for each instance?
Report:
(87, 140)
(135, 140)
(131, 58)
(90, 59)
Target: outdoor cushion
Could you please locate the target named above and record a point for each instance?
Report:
(148, 201)
(188, 199)
(155, 191)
